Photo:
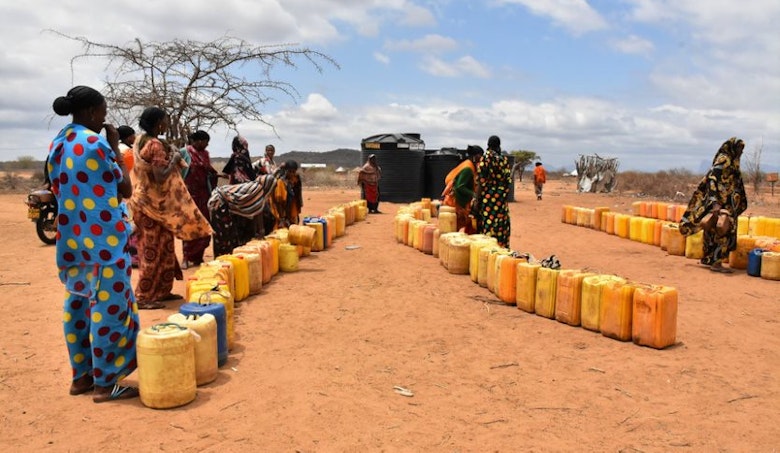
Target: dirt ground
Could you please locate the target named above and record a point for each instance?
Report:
(319, 351)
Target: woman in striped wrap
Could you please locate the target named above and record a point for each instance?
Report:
(233, 202)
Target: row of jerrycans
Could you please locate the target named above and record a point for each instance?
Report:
(618, 308)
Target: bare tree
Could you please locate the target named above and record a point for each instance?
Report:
(751, 167)
(200, 84)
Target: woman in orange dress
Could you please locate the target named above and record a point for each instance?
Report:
(459, 189)
(162, 209)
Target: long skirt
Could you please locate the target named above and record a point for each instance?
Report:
(158, 266)
(193, 250)
(100, 321)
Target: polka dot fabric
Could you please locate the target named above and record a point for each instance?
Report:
(92, 226)
(100, 321)
(100, 318)
(494, 178)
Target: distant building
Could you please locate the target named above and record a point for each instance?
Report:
(314, 166)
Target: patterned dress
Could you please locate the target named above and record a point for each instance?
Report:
(200, 180)
(722, 185)
(494, 180)
(100, 316)
(161, 211)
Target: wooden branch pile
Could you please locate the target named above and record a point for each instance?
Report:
(596, 174)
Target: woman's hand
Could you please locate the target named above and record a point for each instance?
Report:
(112, 135)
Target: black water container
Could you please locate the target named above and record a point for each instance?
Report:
(438, 164)
(401, 158)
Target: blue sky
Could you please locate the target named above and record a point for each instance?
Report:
(658, 84)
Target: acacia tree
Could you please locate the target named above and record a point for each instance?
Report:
(523, 158)
(200, 84)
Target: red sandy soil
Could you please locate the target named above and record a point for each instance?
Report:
(319, 351)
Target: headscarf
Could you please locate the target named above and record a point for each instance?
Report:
(722, 185)
(239, 166)
(370, 172)
(494, 143)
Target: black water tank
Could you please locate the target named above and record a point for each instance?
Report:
(401, 158)
(438, 164)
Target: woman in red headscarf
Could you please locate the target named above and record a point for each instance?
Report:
(368, 180)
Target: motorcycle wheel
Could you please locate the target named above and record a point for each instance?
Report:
(46, 226)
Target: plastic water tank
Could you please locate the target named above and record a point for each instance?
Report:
(401, 158)
(437, 165)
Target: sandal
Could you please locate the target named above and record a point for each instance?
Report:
(117, 392)
(150, 305)
(721, 269)
(82, 385)
(171, 296)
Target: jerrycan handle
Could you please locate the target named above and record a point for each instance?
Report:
(207, 295)
(160, 326)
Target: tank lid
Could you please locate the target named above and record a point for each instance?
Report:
(394, 138)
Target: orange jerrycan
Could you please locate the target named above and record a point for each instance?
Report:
(654, 318)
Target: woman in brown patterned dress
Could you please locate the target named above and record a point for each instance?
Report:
(162, 209)
(721, 189)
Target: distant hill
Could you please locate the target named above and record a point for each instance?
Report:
(347, 158)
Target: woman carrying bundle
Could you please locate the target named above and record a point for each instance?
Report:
(230, 204)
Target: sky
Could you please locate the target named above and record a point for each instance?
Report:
(658, 84)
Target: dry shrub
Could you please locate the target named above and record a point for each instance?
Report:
(326, 177)
(13, 182)
(665, 184)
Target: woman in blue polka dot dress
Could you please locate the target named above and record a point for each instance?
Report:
(100, 315)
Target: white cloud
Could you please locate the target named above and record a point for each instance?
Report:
(576, 16)
(634, 45)
(417, 16)
(319, 107)
(427, 44)
(466, 66)
(382, 58)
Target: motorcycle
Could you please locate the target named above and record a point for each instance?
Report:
(42, 209)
